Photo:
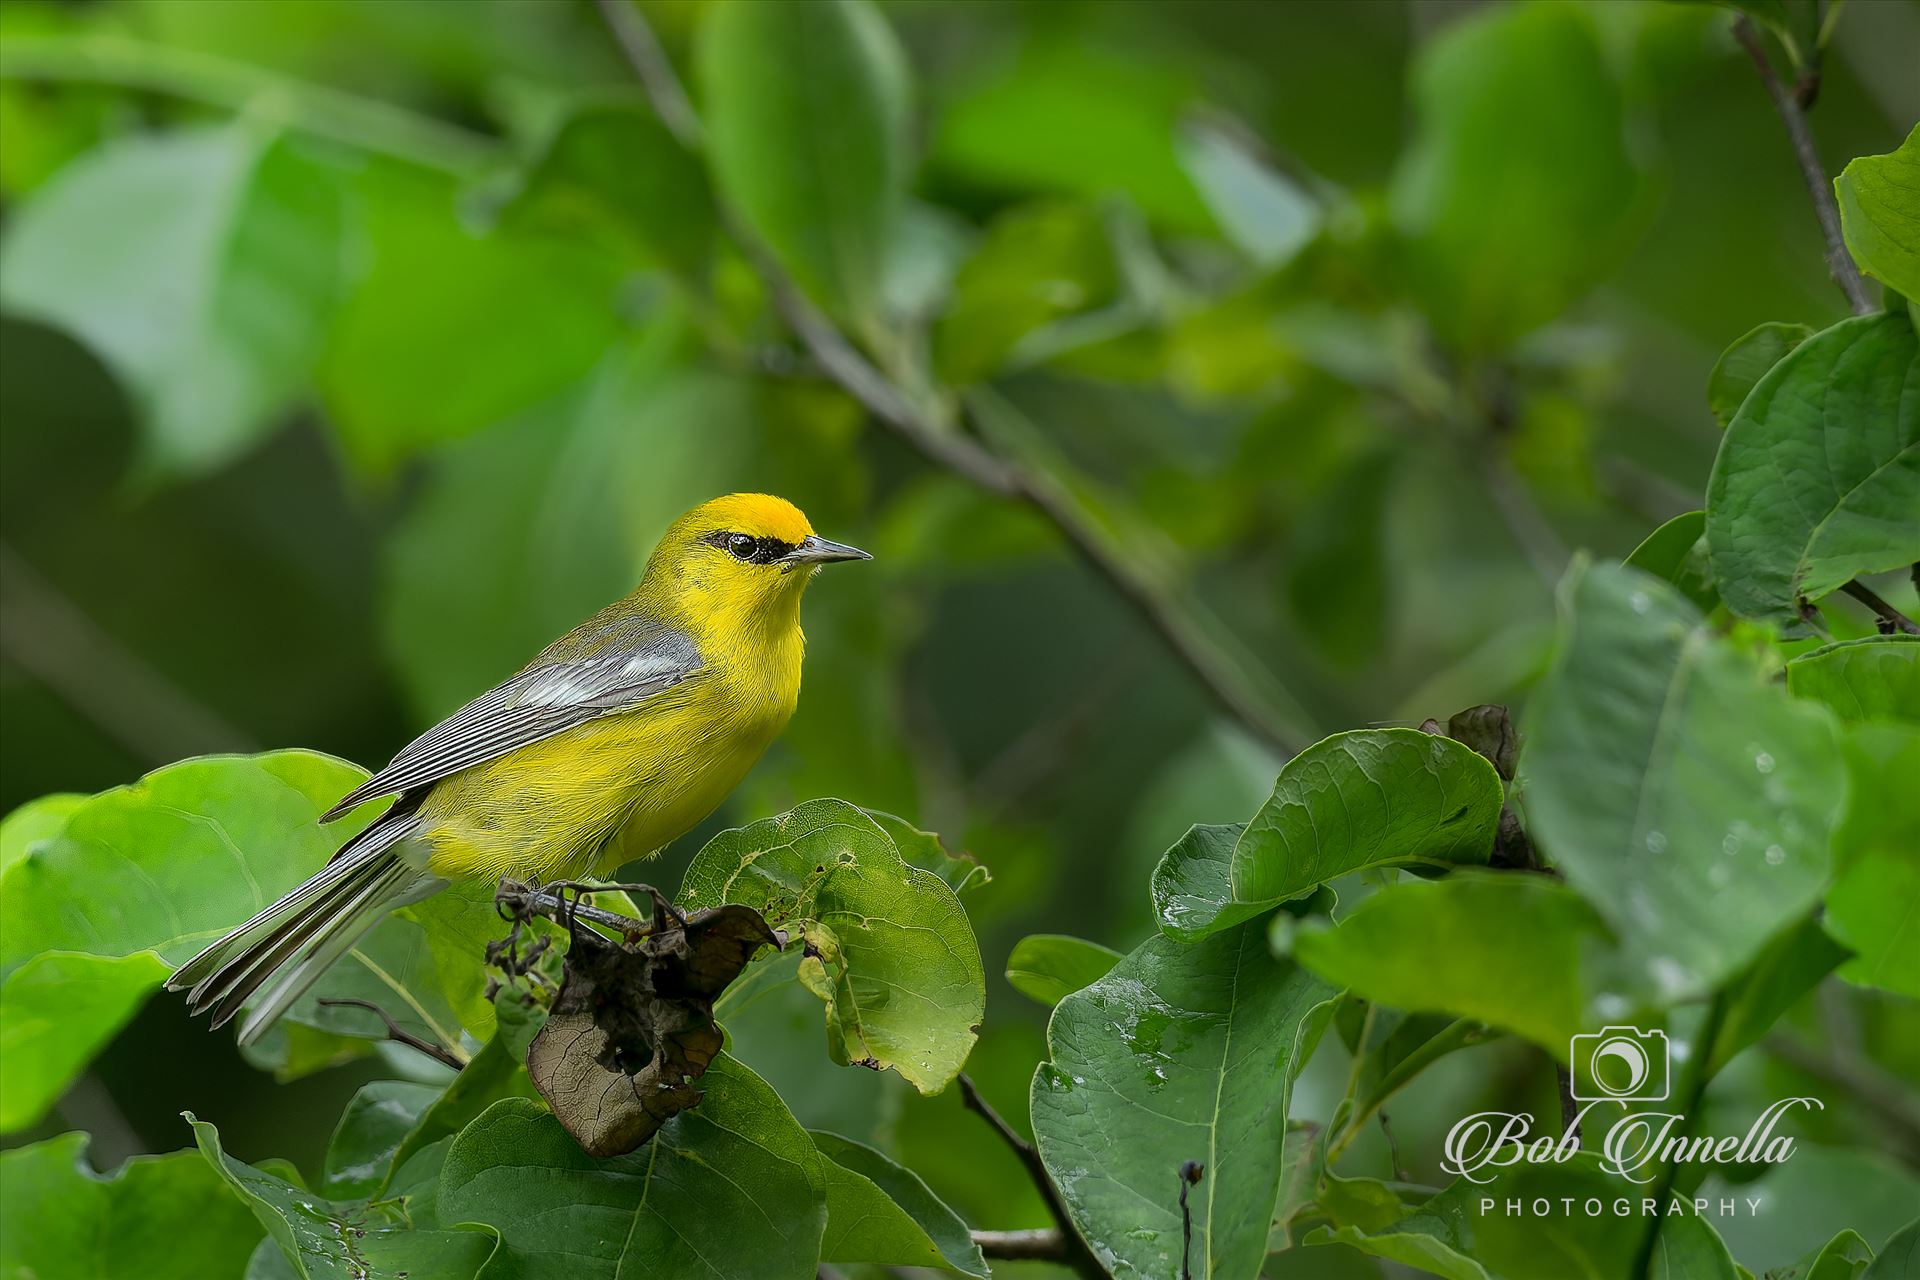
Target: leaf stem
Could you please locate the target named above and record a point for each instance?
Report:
(1699, 1074)
(1891, 616)
(1819, 187)
(360, 122)
(1073, 1251)
(932, 430)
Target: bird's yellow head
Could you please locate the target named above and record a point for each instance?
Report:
(740, 560)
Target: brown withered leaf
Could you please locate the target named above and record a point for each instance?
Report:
(633, 1028)
(1489, 730)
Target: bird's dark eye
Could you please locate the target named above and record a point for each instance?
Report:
(742, 546)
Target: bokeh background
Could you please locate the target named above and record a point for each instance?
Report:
(351, 349)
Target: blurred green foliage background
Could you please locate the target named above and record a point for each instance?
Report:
(352, 350)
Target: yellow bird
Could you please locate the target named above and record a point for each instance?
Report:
(639, 721)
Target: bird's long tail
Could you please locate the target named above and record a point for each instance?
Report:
(283, 951)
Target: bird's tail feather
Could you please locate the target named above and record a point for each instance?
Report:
(283, 951)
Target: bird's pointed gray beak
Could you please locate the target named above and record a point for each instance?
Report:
(816, 550)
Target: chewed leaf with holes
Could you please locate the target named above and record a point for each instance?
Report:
(173, 861)
(887, 945)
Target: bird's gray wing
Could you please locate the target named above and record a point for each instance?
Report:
(543, 700)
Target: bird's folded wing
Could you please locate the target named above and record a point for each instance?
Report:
(538, 703)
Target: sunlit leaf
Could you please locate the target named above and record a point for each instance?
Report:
(202, 265)
(56, 1012)
(1051, 966)
(36, 820)
(732, 1188)
(1880, 214)
(1681, 791)
(1182, 1052)
(1818, 475)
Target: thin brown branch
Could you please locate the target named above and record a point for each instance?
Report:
(1819, 186)
(931, 430)
(1043, 1244)
(1891, 617)
(399, 1034)
(1075, 1252)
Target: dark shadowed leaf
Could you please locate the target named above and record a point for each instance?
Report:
(1051, 966)
(1880, 215)
(65, 1220)
(1746, 362)
(1792, 965)
(889, 948)
(377, 1120)
(881, 1213)
(1818, 475)
(202, 265)
(1182, 1052)
(1680, 790)
(731, 1190)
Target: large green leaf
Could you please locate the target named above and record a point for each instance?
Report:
(1048, 967)
(806, 109)
(56, 1012)
(1818, 475)
(1842, 1258)
(889, 948)
(1870, 907)
(157, 1217)
(1872, 678)
(446, 331)
(202, 265)
(1680, 790)
(1899, 1257)
(377, 1120)
(1519, 952)
(1503, 231)
(1472, 1231)
(880, 1213)
(332, 1240)
(36, 820)
(1880, 214)
(1182, 1052)
(1368, 798)
(730, 1190)
(1745, 362)
(173, 861)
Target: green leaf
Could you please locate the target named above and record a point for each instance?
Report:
(1520, 952)
(57, 1011)
(1871, 678)
(1048, 967)
(881, 1213)
(1818, 475)
(1182, 1052)
(1680, 790)
(173, 861)
(1676, 552)
(34, 821)
(1842, 1258)
(610, 168)
(731, 1190)
(1264, 213)
(928, 851)
(202, 265)
(377, 1120)
(892, 953)
(66, 1221)
(1806, 1200)
(1745, 362)
(806, 109)
(328, 1240)
(1503, 230)
(447, 331)
(1880, 214)
(1451, 1236)
(1899, 1257)
(1792, 965)
(1368, 798)
(1870, 907)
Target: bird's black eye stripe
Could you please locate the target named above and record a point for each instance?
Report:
(747, 548)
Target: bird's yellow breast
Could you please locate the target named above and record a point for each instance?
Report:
(548, 810)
